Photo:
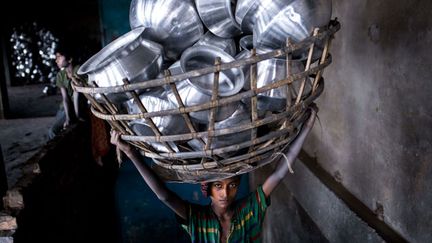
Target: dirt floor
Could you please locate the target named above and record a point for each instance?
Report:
(25, 131)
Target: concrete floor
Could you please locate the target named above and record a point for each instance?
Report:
(21, 136)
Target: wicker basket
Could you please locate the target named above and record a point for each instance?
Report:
(269, 134)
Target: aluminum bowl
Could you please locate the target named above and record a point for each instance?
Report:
(245, 14)
(167, 125)
(240, 117)
(273, 70)
(246, 43)
(245, 68)
(174, 24)
(218, 17)
(270, 71)
(198, 90)
(129, 56)
(142, 129)
(227, 45)
(295, 20)
(230, 81)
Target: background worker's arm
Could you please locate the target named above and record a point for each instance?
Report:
(68, 107)
(168, 197)
(77, 97)
(294, 149)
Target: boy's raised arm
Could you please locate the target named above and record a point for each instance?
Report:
(168, 197)
(294, 149)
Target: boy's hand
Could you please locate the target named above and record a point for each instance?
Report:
(117, 141)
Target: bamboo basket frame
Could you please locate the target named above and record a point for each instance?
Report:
(207, 164)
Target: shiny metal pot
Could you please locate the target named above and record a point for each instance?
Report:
(240, 117)
(245, 68)
(227, 45)
(218, 16)
(230, 81)
(246, 43)
(167, 125)
(196, 91)
(245, 14)
(142, 129)
(174, 24)
(286, 18)
(273, 70)
(129, 56)
(270, 71)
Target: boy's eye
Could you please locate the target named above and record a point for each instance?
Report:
(233, 185)
(218, 185)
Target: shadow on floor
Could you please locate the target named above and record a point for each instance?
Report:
(27, 101)
(72, 200)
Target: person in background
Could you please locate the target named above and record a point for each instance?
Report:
(71, 108)
(74, 107)
(225, 219)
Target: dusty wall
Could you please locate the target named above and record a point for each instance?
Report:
(375, 133)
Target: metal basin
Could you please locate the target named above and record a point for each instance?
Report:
(129, 56)
(218, 17)
(296, 20)
(230, 81)
(240, 117)
(174, 24)
(227, 45)
(196, 91)
(246, 43)
(245, 68)
(245, 14)
(270, 71)
(190, 96)
(167, 125)
(142, 129)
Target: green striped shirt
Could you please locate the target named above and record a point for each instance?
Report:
(246, 225)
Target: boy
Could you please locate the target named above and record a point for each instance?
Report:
(69, 110)
(224, 220)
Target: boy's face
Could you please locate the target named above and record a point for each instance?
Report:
(61, 61)
(223, 193)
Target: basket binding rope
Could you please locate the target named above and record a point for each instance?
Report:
(208, 164)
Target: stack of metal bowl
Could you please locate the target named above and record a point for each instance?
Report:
(169, 34)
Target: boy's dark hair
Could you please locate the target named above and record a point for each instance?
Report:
(65, 50)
